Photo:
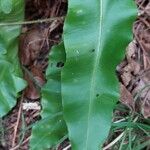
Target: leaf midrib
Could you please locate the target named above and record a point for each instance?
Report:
(95, 68)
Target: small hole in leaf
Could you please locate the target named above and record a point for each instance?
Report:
(60, 64)
(97, 95)
(93, 50)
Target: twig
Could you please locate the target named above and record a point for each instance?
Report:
(23, 133)
(120, 120)
(16, 147)
(68, 147)
(31, 22)
(17, 122)
(114, 141)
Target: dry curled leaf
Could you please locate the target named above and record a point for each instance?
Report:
(126, 77)
(145, 42)
(146, 108)
(127, 98)
(35, 80)
(31, 91)
(38, 75)
(130, 51)
(31, 45)
(147, 9)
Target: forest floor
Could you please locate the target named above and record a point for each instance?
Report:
(133, 73)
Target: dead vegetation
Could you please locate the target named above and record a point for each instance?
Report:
(134, 71)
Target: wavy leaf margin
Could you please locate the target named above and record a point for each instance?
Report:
(95, 36)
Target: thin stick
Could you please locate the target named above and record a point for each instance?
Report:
(114, 141)
(31, 22)
(68, 147)
(17, 122)
(16, 147)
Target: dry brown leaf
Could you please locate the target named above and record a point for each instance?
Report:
(145, 108)
(30, 45)
(126, 78)
(130, 52)
(31, 91)
(34, 83)
(37, 72)
(145, 42)
(126, 97)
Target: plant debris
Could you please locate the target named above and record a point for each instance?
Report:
(134, 71)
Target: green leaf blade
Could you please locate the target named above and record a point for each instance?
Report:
(6, 6)
(10, 85)
(48, 131)
(95, 36)
(11, 82)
